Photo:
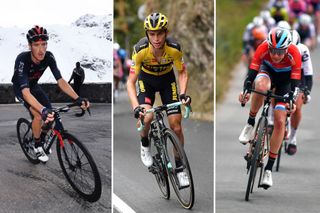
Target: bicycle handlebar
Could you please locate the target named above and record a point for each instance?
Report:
(165, 107)
(290, 98)
(69, 106)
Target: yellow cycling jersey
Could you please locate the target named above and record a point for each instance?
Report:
(143, 59)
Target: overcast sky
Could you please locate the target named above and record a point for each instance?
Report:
(26, 13)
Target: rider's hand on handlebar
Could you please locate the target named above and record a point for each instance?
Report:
(83, 103)
(243, 99)
(185, 99)
(47, 115)
(138, 112)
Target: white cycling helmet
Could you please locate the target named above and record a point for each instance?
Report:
(279, 38)
(257, 21)
(116, 46)
(295, 37)
(265, 14)
(305, 19)
(284, 24)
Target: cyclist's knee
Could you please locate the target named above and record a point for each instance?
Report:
(262, 85)
(176, 127)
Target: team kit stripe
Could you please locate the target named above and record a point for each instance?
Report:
(283, 36)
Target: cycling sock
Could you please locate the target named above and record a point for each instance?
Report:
(252, 118)
(271, 160)
(145, 141)
(37, 142)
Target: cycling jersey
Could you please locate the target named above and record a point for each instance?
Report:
(143, 58)
(27, 73)
(284, 75)
(157, 76)
(290, 64)
(307, 69)
(305, 32)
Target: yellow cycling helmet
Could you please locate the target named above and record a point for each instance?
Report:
(156, 21)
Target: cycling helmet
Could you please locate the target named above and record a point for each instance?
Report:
(116, 46)
(257, 21)
(305, 19)
(259, 33)
(156, 21)
(265, 14)
(279, 38)
(284, 24)
(36, 34)
(295, 37)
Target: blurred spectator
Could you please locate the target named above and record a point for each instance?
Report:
(77, 77)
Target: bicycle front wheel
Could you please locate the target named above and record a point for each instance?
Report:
(24, 133)
(257, 154)
(176, 153)
(79, 167)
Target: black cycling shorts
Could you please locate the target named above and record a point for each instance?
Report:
(37, 92)
(280, 81)
(164, 84)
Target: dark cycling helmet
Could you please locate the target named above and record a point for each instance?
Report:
(36, 34)
(279, 38)
(156, 21)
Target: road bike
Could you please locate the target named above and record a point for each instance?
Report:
(260, 145)
(75, 160)
(166, 149)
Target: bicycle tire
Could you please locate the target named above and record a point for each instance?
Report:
(25, 137)
(69, 154)
(172, 143)
(256, 155)
(161, 176)
(279, 157)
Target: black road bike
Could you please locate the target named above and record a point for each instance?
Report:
(74, 158)
(260, 145)
(166, 149)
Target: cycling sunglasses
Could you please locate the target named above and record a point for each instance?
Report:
(275, 51)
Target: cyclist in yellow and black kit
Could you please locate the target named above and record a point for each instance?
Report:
(153, 60)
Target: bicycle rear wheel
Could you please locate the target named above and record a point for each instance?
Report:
(25, 137)
(175, 151)
(79, 168)
(256, 158)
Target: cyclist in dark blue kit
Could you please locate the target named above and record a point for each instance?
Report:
(29, 67)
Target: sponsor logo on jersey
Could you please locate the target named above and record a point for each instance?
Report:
(147, 100)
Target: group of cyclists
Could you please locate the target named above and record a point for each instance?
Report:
(277, 52)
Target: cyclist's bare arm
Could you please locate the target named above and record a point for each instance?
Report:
(67, 89)
(183, 81)
(30, 99)
(131, 89)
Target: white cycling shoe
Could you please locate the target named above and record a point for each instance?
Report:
(41, 155)
(247, 134)
(267, 179)
(146, 157)
(183, 179)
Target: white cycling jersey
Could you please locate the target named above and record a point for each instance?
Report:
(306, 59)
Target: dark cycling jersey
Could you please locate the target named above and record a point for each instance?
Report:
(27, 73)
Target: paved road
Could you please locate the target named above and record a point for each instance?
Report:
(296, 186)
(137, 187)
(43, 188)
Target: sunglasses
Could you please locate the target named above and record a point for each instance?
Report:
(275, 51)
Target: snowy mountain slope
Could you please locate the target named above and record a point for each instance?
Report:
(88, 40)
